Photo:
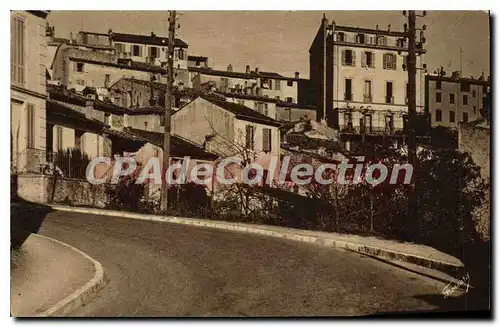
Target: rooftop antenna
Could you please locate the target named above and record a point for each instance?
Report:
(81, 21)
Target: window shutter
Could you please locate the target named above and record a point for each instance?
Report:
(353, 58)
(343, 57)
(373, 59)
(385, 61)
(266, 146)
(395, 62)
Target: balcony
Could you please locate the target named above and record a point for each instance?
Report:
(370, 130)
(348, 96)
(367, 98)
(389, 99)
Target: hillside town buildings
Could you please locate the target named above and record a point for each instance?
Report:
(102, 86)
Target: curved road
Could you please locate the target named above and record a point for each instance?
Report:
(162, 269)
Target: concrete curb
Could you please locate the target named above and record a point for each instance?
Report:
(81, 296)
(291, 234)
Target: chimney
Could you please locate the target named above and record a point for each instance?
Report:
(230, 68)
(247, 69)
(89, 107)
(71, 37)
(153, 34)
(389, 28)
(376, 27)
(297, 75)
(257, 70)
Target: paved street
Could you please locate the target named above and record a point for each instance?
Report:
(161, 269)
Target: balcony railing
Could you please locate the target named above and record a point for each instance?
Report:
(348, 96)
(367, 98)
(389, 99)
(370, 130)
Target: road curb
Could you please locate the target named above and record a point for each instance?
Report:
(81, 296)
(447, 267)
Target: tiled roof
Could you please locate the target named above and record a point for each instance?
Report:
(56, 93)
(178, 145)
(251, 75)
(242, 112)
(368, 31)
(457, 80)
(201, 58)
(285, 104)
(147, 39)
(134, 65)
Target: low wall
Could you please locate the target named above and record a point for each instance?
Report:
(38, 188)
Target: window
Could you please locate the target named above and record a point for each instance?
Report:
(465, 100)
(348, 89)
(365, 124)
(289, 99)
(249, 136)
(405, 63)
(17, 54)
(30, 110)
(389, 124)
(289, 83)
(406, 92)
(59, 137)
(474, 110)
(390, 61)
(367, 94)
(259, 107)
(381, 40)
(137, 50)
(277, 85)
(452, 98)
(465, 117)
(473, 93)
(266, 110)
(452, 116)
(79, 140)
(348, 58)
(181, 54)
(360, 38)
(438, 97)
(368, 59)
(79, 67)
(348, 120)
(153, 52)
(389, 98)
(341, 37)
(438, 85)
(464, 87)
(266, 139)
(439, 115)
(107, 78)
(120, 47)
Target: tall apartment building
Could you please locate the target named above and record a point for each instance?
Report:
(359, 79)
(451, 100)
(27, 89)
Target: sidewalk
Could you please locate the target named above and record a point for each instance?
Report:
(49, 278)
(418, 254)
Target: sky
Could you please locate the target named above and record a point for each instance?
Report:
(279, 41)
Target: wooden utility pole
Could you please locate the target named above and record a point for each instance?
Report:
(412, 112)
(168, 109)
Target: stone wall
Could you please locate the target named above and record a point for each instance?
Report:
(38, 188)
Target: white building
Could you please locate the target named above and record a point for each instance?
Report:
(28, 90)
(226, 128)
(360, 80)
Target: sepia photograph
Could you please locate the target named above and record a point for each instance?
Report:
(250, 164)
